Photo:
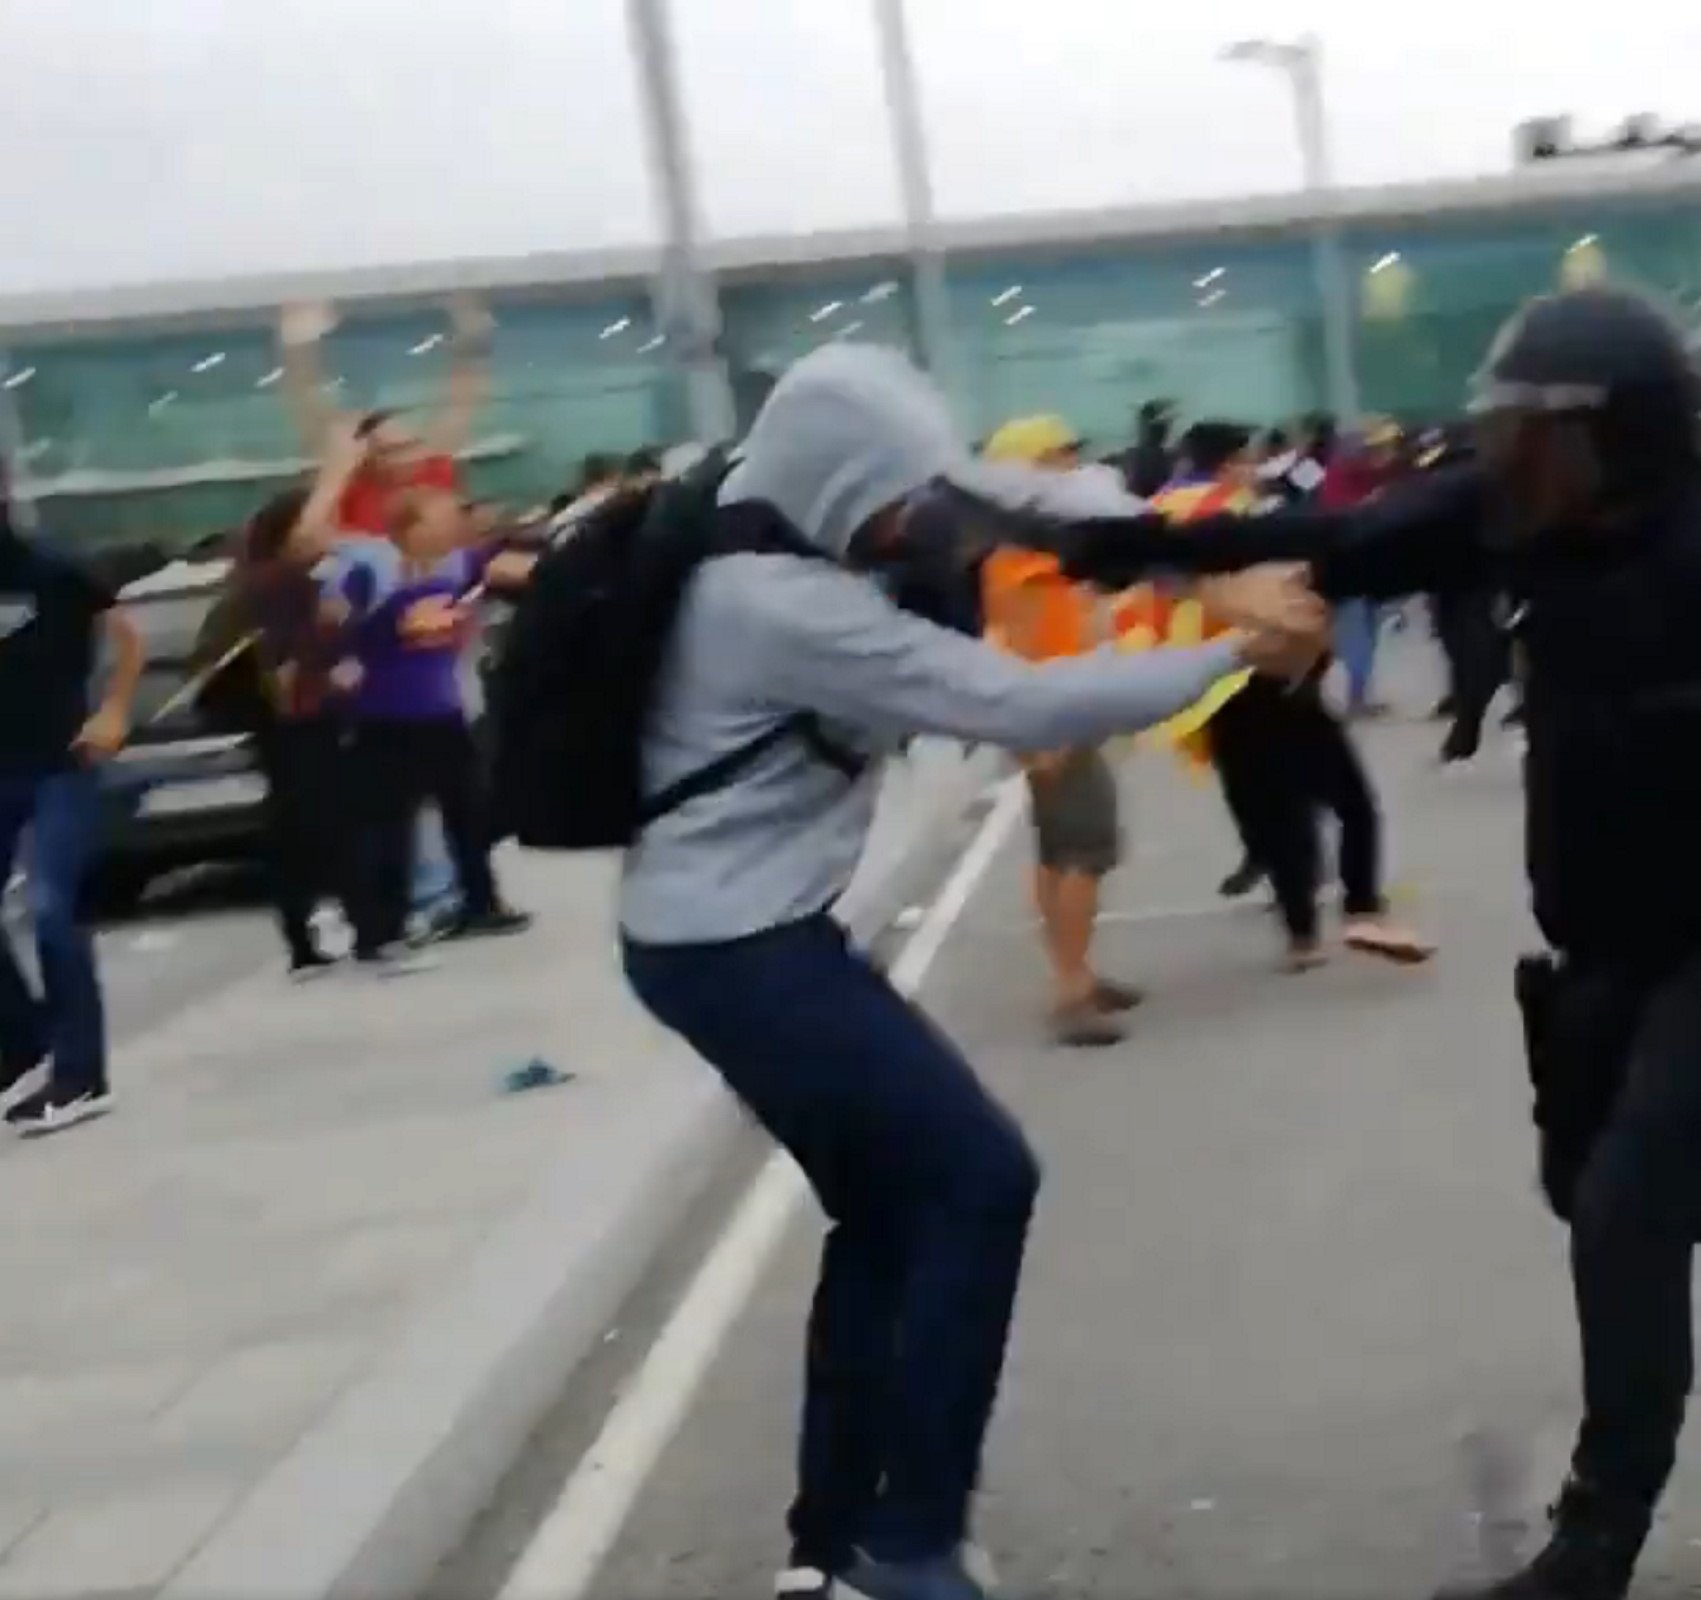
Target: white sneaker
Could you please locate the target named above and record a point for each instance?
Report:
(43, 1114)
(805, 1583)
(26, 1086)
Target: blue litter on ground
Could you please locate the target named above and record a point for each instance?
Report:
(535, 1074)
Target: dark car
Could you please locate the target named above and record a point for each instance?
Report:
(182, 791)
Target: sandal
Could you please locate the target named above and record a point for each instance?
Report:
(1113, 997)
(1083, 1026)
(1373, 938)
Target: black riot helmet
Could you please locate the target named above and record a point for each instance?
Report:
(1609, 371)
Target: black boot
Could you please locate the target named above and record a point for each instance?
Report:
(1589, 1555)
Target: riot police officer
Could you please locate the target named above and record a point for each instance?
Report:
(1584, 505)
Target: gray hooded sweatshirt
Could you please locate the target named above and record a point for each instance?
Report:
(847, 432)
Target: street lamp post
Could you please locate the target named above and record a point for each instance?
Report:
(1301, 62)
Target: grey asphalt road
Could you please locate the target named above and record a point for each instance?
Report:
(1294, 1322)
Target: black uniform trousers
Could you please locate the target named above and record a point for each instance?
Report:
(1635, 1216)
(1283, 756)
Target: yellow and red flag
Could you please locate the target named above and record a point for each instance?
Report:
(1153, 615)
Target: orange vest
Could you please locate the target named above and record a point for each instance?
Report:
(1151, 615)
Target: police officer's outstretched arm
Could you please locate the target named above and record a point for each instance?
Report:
(1425, 535)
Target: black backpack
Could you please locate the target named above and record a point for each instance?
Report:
(572, 686)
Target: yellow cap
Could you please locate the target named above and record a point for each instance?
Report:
(1031, 440)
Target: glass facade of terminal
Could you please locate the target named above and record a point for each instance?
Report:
(173, 437)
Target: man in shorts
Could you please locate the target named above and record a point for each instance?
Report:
(1034, 611)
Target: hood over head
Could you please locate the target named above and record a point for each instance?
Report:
(852, 429)
(847, 431)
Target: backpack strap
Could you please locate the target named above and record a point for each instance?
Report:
(753, 527)
(717, 774)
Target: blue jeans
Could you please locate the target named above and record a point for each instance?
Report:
(67, 1022)
(1357, 623)
(435, 886)
(929, 1185)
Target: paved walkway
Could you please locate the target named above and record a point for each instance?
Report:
(193, 1281)
(294, 1178)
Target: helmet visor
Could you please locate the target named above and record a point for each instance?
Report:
(1489, 394)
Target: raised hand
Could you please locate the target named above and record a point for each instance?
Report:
(470, 318)
(305, 323)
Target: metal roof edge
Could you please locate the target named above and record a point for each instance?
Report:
(189, 302)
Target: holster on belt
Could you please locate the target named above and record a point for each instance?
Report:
(1579, 1026)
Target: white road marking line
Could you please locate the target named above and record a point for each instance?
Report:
(571, 1543)
(1205, 908)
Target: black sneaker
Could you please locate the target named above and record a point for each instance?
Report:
(1590, 1554)
(310, 964)
(496, 923)
(54, 1110)
(426, 928)
(1242, 881)
(1459, 747)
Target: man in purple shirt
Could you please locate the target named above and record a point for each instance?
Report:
(411, 741)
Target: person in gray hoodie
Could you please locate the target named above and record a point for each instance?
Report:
(728, 937)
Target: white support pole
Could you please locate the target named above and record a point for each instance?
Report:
(688, 309)
(915, 189)
(1328, 258)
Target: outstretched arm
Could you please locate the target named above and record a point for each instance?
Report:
(319, 526)
(301, 329)
(451, 429)
(1426, 535)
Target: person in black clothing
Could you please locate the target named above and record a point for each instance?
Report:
(1470, 626)
(1586, 507)
(1147, 467)
(1474, 640)
(51, 615)
(1283, 756)
(299, 731)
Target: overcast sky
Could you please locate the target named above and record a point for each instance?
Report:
(149, 139)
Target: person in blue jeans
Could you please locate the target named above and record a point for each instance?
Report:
(435, 890)
(1358, 627)
(801, 661)
(51, 613)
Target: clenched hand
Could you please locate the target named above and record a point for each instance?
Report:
(1286, 624)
